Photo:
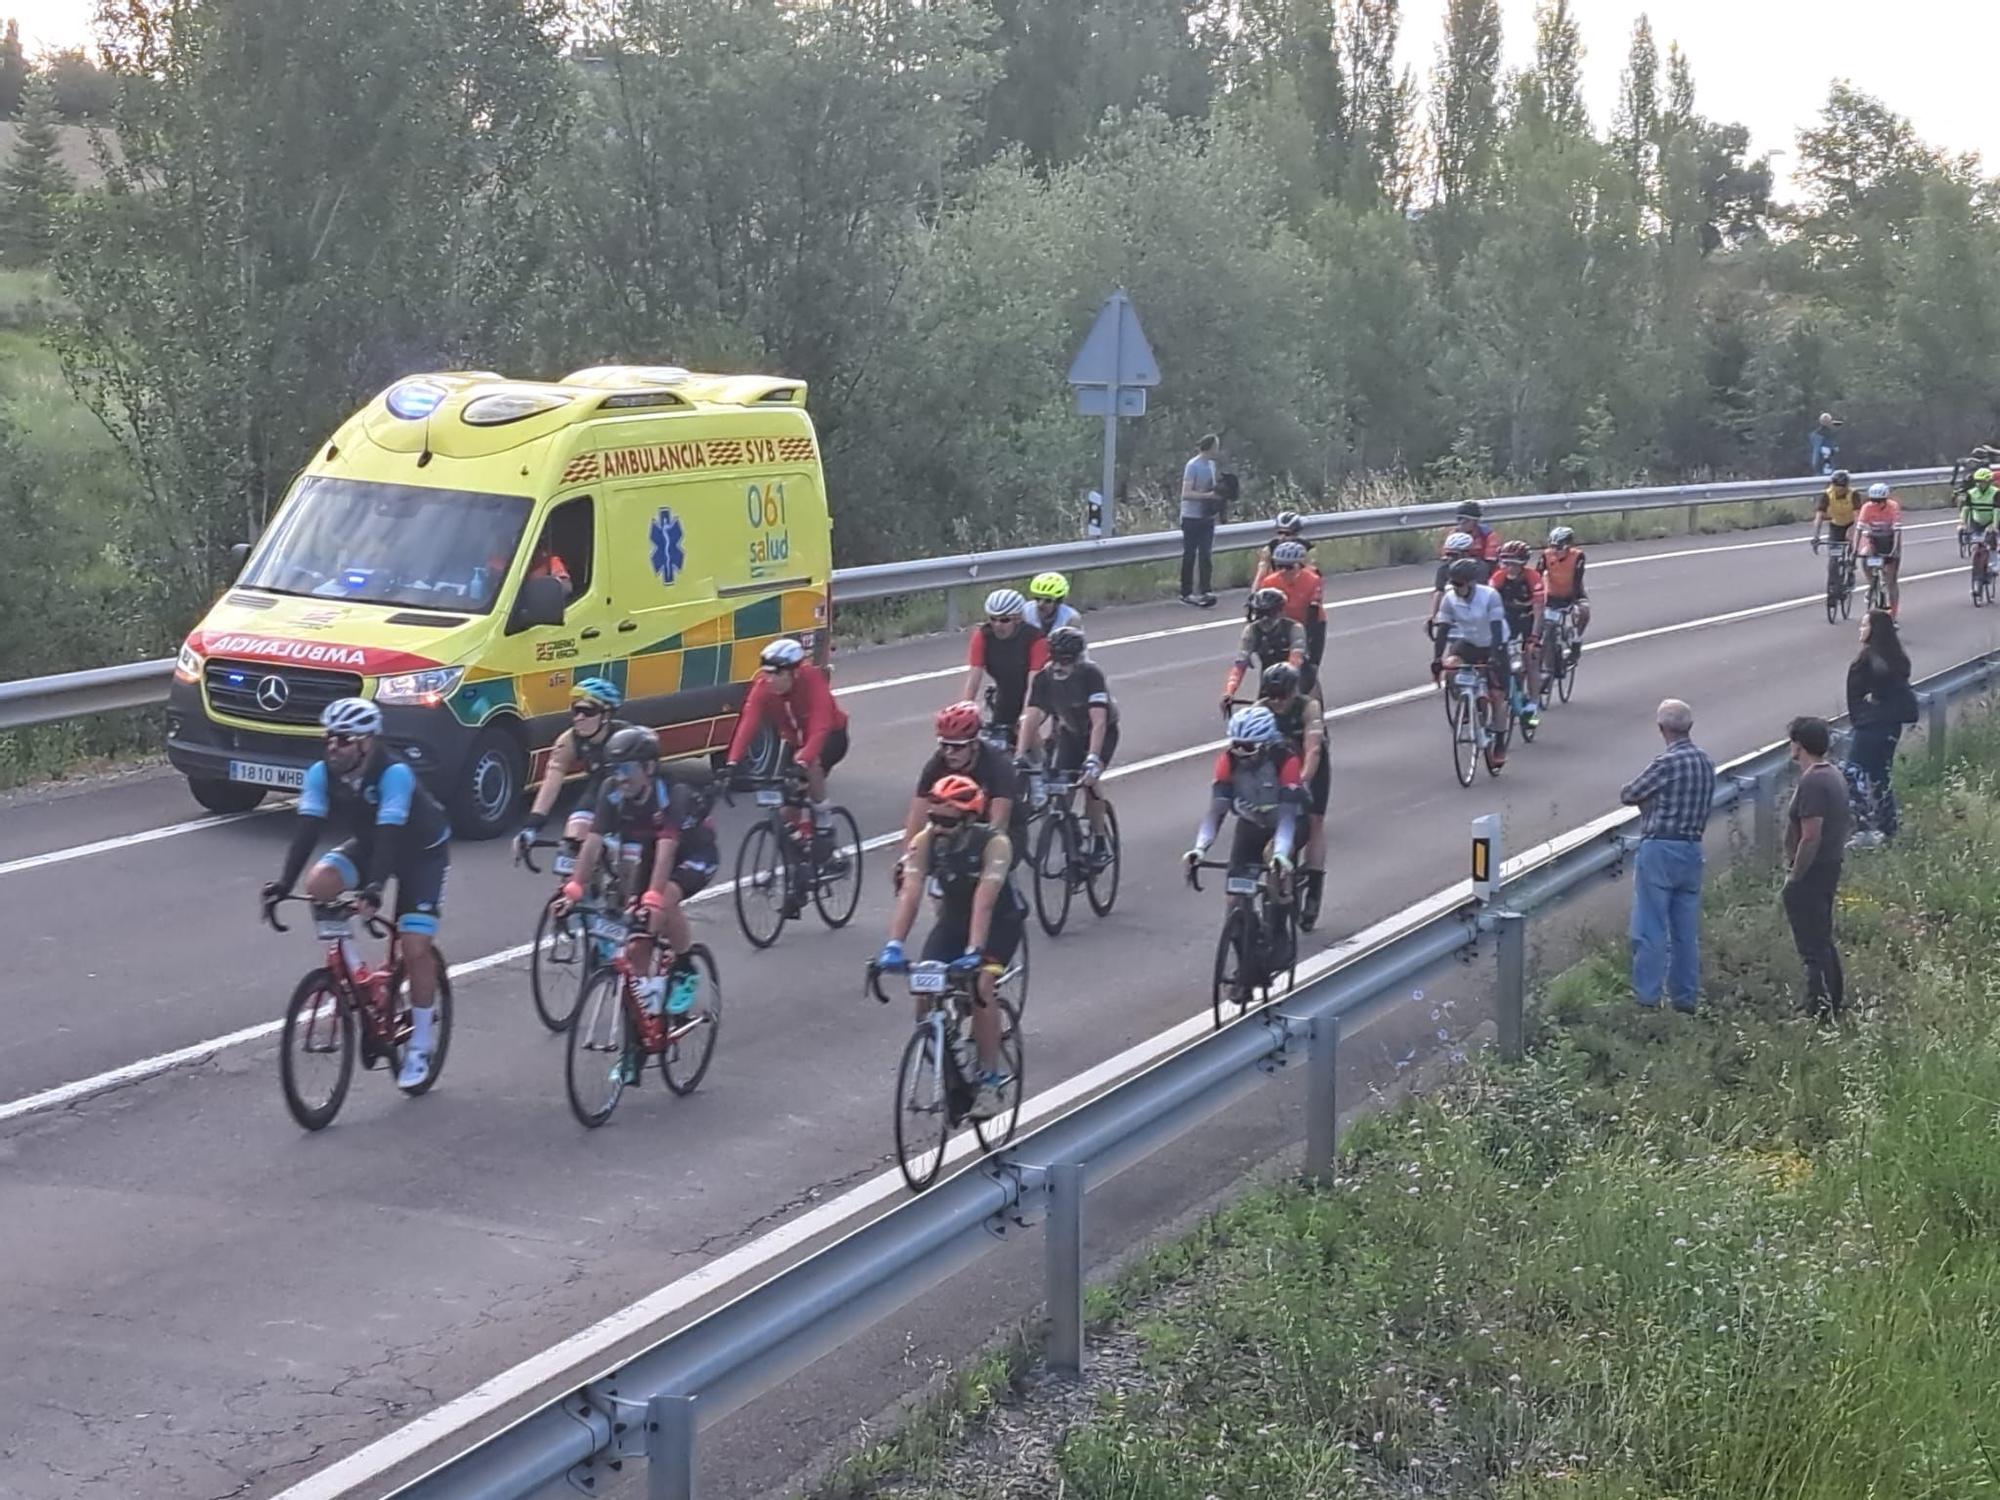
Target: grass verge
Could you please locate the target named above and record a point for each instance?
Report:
(1733, 1255)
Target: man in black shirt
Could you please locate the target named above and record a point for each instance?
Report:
(1815, 846)
(1072, 691)
(961, 752)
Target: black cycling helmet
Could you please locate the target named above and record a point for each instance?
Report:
(1841, 477)
(1281, 680)
(1267, 602)
(1066, 643)
(635, 742)
(1470, 510)
(1465, 570)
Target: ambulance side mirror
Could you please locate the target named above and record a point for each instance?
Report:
(540, 602)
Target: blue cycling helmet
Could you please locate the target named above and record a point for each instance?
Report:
(597, 690)
(1255, 725)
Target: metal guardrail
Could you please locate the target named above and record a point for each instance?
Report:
(68, 695)
(653, 1405)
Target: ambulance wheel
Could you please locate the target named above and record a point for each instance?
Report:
(489, 786)
(225, 796)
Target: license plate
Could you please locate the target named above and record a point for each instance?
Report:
(256, 773)
(928, 980)
(565, 864)
(610, 930)
(770, 796)
(1241, 885)
(1466, 679)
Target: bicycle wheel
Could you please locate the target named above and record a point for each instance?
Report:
(556, 966)
(998, 1131)
(837, 884)
(1552, 651)
(1465, 739)
(1572, 657)
(923, 1115)
(1527, 728)
(1233, 975)
(760, 883)
(1847, 596)
(440, 1032)
(594, 1060)
(691, 1041)
(1283, 938)
(316, 1052)
(1054, 853)
(1100, 883)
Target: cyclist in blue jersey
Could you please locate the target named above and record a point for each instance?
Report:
(395, 830)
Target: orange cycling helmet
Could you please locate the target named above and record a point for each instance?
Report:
(960, 793)
(958, 723)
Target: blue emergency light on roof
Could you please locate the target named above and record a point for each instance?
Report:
(413, 400)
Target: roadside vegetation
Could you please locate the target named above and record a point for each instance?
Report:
(1739, 1255)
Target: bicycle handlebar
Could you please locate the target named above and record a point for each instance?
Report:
(373, 924)
(523, 854)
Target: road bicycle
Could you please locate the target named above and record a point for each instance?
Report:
(1519, 705)
(1982, 568)
(345, 1006)
(1259, 943)
(1064, 862)
(615, 1033)
(937, 1077)
(1479, 720)
(1839, 580)
(1878, 588)
(1561, 651)
(776, 872)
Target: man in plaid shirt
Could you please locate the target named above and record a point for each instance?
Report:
(1673, 794)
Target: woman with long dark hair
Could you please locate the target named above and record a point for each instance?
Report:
(1879, 704)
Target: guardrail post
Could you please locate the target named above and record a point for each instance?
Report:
(1511, 996)
(1936, 711)
(1322, 1098)
(951, 609)
(670, 1428)
(1764, 816)
(1063, 1253)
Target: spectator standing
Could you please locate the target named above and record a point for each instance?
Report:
(1674, 794)
(1879, 703)
(1200, 502)
(1815, 836)
(1823, 445)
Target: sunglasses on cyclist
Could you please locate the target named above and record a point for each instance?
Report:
(342, 741)
(946, 822)
(627, 767)
(957, 744)
(585, 711)
(1243, 751)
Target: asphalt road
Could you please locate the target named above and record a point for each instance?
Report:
(200, 1300)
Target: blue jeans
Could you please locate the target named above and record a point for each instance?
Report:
(1666, 921)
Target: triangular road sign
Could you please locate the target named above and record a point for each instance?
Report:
(1115, 353)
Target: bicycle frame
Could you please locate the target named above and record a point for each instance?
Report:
(372, 1001)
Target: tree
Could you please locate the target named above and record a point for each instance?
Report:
(84, 91)
(1635, 128)
(1380, 101)
(1864, 170)
(1549, 96)
(1465, 114)
(281, 238)
(35, 183)
(13, 70)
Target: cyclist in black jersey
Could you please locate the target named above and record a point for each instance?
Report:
(1270, 637)
(1008, 649)
(579, 748)
(1071, 690)
(396, 830)
(961, 752)
(665, 854)
(980, 916)
(1302, 718)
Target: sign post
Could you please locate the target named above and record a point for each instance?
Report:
(1112, 373)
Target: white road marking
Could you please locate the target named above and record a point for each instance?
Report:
(196, 825)
(84, 1088)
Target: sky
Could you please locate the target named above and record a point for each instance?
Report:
(1767, 64)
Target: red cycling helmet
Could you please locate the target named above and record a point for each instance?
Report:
(1514, 551)
(960, 793)
(958, 723)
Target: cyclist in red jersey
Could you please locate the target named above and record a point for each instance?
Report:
(1008, 649)
(794, 697)
(1522, 595)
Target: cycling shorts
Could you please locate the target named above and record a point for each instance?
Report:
(948, 939)
(832, 750)
(1883, 547)
(419, 881)
(691, 876)
(1836, 532)
(1247, 845)
(1072, 749)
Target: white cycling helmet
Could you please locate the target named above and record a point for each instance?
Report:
(1288, 552)
(1006, 604)
(1459, 542)
(1255, 725)
(1561, 536)
(351, 716)
(1878, 492)
(783, 652)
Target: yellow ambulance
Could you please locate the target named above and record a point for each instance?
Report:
(466, 547)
